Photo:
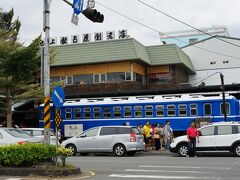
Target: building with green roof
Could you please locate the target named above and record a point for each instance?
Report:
(119, 65)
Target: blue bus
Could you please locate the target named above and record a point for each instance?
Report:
(180, 110)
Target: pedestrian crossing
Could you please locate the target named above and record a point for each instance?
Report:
(170, 172)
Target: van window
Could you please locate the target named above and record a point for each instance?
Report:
(108, 131)
(37, 132)
(207, 109)
(207, 131)
(223, 130)
(91, 132)
(227, 109)
(122, 130)
(127, 111)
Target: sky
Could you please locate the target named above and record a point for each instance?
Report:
(198, 13)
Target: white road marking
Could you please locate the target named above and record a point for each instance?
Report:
(165, 171)
(185, 167)
(154, 176)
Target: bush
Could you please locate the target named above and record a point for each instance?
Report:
(26, 154)
(63, 153)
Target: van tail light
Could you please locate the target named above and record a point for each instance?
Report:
(132, 137)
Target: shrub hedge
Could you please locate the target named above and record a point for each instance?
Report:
(26, 154)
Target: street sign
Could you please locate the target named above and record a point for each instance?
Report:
(75, 19)
(77, 6)
(58, 97)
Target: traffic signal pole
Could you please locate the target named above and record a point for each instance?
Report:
(223, 97)
(46, 57)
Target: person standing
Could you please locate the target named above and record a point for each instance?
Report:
(161, 135)
(156, 137)
(147, 135)
(168, 133)
(193, 136)
(140, 128)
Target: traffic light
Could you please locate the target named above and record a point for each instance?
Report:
(93, 15)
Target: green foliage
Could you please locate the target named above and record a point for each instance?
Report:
(63, 153)
(26, 154)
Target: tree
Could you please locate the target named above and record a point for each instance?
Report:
(17, 63)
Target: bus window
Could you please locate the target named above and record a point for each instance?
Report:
(117, 112)
(149, 111)
(86, 111)
(160, 110)
(193, 110)
(127, 111)
(138, 111)
(207, 109)
(68, 113)
(97, 112)
(77, 113)
(227, 108)
(107, 112)
(171, 110)
(182, 110)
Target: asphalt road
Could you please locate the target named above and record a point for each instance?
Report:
(161, 166)
(156, 165)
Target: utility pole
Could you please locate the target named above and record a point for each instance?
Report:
(46, 70)
(223, 97)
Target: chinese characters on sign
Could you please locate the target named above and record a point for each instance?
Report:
(97, 37)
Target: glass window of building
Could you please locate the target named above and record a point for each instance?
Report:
(193, 40)
(99, 78)
(87, 112)
(207, 109)
(160, 78)
(138, 111)
(69, 80)
(83, 79)
(128, 76)
(127, 111)
(139, 78)
(117, 112)
(193, 110)
(160, 110)
(107, 112)
(68, 113)
(77, 113)
(149, 111)
(171, 110)
(54, 79)
(116, 77)
(97, 112)
(227, 109)
(182, 110)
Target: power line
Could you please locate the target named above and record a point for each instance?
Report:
(186, 23)
(146, 26)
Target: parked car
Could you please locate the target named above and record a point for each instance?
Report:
(222, 136)
(39, 132)
(121, 140)
(16, 136)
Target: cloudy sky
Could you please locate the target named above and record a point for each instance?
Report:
(199, 13)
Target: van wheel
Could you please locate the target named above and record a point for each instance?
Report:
(119, 150)
(84, 154)
(131, 153)
(236, 150)
(73, 148)
(183, 150)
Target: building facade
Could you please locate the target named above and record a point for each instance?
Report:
(187, 37)
(119, 65)
(210, 57)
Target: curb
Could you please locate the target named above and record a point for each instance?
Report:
(13, 171)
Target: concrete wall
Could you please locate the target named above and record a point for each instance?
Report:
(208, 65)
